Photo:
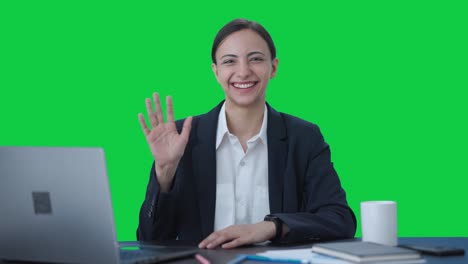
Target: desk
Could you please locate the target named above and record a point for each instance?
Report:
(219, 256)
(223, 256)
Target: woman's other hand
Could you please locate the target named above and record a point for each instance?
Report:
(239, 235)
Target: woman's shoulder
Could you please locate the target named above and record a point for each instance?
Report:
(298, 126)
(298, 122)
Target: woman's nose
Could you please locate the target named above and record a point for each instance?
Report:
(243, 70)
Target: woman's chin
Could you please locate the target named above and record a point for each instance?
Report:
(245, 102)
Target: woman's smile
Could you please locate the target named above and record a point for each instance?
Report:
(244, 85)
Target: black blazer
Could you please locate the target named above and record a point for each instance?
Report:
(304, 189)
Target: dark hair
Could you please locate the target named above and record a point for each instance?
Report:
(239, 24)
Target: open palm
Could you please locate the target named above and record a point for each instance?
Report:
(166, 144)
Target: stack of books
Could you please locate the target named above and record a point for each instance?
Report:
(366, 252)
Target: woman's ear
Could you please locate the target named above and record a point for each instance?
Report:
(214, 67)
(274, 67)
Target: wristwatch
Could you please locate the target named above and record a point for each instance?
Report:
(278, 224)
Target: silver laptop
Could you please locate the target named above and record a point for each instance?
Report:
(55, 206)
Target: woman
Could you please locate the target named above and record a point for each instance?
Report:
(242, 173)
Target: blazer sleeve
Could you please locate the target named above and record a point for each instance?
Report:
(158, 219)
(324, 212)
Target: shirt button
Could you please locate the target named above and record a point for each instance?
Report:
(242, 163)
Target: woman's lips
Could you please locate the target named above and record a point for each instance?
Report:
(243, 85)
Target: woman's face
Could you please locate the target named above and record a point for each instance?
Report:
(244, 67)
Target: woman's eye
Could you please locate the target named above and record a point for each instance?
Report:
(228, 61)
(257, 59)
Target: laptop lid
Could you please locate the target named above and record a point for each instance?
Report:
(55, 206)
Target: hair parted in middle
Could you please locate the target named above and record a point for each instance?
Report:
(239, 24)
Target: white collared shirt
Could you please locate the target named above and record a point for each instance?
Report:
(241, 178)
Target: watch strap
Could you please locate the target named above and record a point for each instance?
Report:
(278, 225)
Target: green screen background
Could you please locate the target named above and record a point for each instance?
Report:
(386, 82)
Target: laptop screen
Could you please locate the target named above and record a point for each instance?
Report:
(55, 205)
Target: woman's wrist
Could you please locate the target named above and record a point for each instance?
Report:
(270, 230)
(165, 176)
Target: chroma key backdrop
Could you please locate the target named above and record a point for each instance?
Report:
(386, 81)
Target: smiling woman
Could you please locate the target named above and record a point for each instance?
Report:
(242, 173)
(245, 67)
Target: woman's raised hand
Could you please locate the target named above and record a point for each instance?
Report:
(166, 144)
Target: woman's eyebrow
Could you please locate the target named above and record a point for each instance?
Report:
(248, 55)
(255, 53)
(229, 55)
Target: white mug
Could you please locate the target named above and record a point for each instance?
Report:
(379, 222)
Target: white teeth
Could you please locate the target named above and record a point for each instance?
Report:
(243, 86)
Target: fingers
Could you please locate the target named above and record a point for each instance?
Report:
(151, 115)
(217, 238)
(235, 236)
(206, 241)
(156, 117)
(236, 243)
(186, 128)
(169, 109)
(159, 114)
(144, 127)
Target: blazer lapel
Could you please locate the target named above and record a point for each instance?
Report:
(277, 155)
(204, 164)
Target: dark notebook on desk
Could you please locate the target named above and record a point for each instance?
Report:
(55, 206)
(365, 252)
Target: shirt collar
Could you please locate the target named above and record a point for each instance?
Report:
(222, 129)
